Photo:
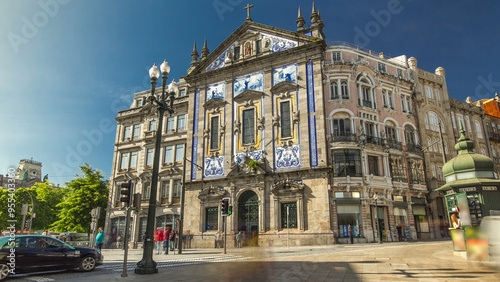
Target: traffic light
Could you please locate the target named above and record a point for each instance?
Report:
(126, 192)
(230, 210)
(225, 206)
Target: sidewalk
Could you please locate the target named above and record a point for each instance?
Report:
(414, 261)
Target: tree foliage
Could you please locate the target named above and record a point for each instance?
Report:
(83, 194)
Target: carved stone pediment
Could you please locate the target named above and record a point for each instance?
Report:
(287, 187)
(284, 86)
(212, 193)
(248, 95)
(246, 168)
(215, 103)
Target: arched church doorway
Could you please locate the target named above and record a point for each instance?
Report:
(248, 217)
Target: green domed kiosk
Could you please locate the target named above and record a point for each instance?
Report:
(472, 190)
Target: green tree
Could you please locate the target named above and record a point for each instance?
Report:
(84, 194)
(46, 200)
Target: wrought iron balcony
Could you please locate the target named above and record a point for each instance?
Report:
(412, 148)
(343, 136)
(494, 136)
(394, 144)
(374, 140)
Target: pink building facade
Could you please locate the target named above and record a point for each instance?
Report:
(377, 182)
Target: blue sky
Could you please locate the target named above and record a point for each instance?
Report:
(68, 66)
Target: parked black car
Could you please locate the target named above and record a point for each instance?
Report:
(36, 253)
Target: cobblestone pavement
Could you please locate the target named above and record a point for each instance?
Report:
(402, 261)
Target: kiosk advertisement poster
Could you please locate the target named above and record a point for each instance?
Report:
(463, 209)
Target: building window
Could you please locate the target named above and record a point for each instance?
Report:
(429, 144)
(398, 168)
(453, 120)
(409, 103)
(165, 185)
(437, 148)
(416, 169)
(179, 153)
(421, 90)
(139, 103)
(438, 95)
(400, 73)
(434, 171)
(381, 67)
(373, 165)
(445, 146)
(133, 160)
(292, 215)
(211, 218)
(403, 104)
(137, 130)
(168, 154)
(390, 133)
(334, 92)
(182, 93)
(346, 162)
(460, 120)
(150, 157)
(236, 53)
(343, 89)
(341, 127)
(170, 125)
(478, 129)
(367, 101)
(177, 188)
(249, 126)
(336, 56)
(434, 121)
(468, 124)
(259, 46)
(384, 99)
(214, 133)
(430, 94)
(286, 126)
(124, 161)
(409, 135)
(400, 216)
(127, 132)
(152, 125)
(181, 123)
(146, 190)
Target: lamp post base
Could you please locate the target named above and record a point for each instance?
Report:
(142, 268)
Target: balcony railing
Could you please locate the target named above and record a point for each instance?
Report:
(394, 144)
(494, 136)
(375, 140)
(412, 148)
(342, 136)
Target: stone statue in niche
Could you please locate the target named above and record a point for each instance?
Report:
(248, 49)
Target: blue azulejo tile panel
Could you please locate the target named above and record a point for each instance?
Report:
(220, 61)
(251, 82)
(217, 90)
(196, 110)
(311, 108)
(313, 143)
(277, 44)
(287, 157)
(194, 154)
(285, 73)
(255, 155)
(214, 167)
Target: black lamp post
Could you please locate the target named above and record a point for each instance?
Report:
(147, 265)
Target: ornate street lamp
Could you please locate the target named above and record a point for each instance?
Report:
(147, 265)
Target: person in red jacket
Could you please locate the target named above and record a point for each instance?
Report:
(166, 239)
(158, 239)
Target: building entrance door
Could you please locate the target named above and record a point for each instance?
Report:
(248, 217)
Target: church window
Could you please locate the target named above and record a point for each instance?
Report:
(211, 218)
(258, 46)
(236, 53)
(249, 126)
(289, 221)
(214, 133)
(286, 126)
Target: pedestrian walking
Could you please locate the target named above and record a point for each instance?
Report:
(172, 240)
(216, 239)
(351, 233)
(239, 240)
(99, 239)
(118, 241)
(400, 232)
(158, 239)
(166, 238)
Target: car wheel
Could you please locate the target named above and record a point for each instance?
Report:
(4, 271)
(87, 264)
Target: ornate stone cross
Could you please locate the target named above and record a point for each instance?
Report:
(248, 11)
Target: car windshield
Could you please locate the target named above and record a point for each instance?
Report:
(35, 242)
